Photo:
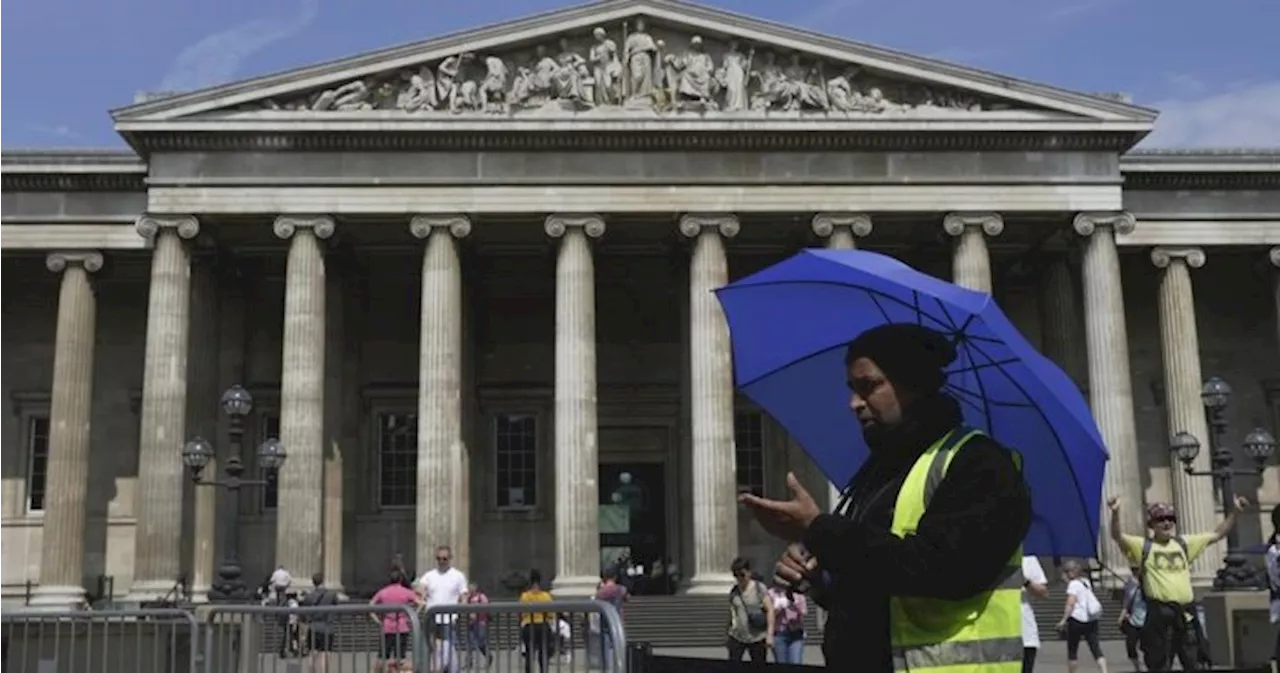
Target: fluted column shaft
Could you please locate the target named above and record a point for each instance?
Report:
(443, 512)
(62, 544)
(1061, 335)
(1274, 257)
(971, 261)
(715, 513)
(1110, 384)
(336, 345)
(202, 418)
(842, 231)
(300, 509)
(1184, 410)
(576, 429)
(158, 546)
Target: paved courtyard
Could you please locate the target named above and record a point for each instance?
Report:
(1052, 657)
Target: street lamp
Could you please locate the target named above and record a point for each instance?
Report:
(196, 455)
(1259, 445)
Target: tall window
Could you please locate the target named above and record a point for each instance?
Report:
(397, 460)
(515, 443)
(268, 428)
(748, 439)
(37, 461)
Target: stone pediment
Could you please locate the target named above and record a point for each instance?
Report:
(633, 59)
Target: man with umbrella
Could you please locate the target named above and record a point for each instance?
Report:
(920, 565)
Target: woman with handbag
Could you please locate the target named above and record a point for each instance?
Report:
(1080, 616)
(751, 622)
(789, 609)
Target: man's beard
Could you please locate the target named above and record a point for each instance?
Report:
(874, 434)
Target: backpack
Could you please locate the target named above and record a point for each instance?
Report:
(1092, 606)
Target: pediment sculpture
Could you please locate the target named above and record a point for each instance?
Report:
(642, 72)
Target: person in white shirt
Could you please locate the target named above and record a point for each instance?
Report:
(443, 585)
(1080, 616)
(1034, 583)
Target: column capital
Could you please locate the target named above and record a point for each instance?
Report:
(321, 225)
(558, 223)
(148, 226)
(692, 224)
(421, 226)
(58, 261)
(956, 223)
(1163, 256)
(1274, 255)
(825, 224)
(1086, 223)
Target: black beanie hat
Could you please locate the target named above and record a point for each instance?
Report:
(911, 356)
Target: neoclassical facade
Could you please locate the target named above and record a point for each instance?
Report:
(468, 284)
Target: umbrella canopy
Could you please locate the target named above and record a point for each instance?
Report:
(790, 325)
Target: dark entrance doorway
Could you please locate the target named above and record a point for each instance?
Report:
(633, 521)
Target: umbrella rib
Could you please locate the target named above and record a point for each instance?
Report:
(977, 367)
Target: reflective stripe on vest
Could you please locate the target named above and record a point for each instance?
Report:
(982, 634)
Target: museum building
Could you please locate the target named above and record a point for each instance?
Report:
(467, 283)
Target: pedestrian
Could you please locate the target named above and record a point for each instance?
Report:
(750, 615)
(1034, 584)
(789, 609)
(1080, 617)
(535, 627)
(396, 629)
(1172, 627)
(1133, 614)
(1273, 577)
(909, 564)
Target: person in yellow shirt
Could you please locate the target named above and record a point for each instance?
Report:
(1164, 565)
(535, 627)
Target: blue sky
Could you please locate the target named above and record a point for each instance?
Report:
(1213, 68)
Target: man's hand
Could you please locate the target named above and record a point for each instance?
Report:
(793, 568)
(1241, 503)
(784, 519)
(1113, 504)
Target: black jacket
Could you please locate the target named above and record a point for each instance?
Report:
(976, 520)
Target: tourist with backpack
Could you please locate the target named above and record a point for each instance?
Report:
(750, 615)
(1172, 628)
(1080, 617)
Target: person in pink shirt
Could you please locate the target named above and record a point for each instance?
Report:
(396, 630)
(789, 609)
(478, 628)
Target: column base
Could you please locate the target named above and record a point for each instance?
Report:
(57, 598)
(710, 583)
(575, 586)
(200, 593)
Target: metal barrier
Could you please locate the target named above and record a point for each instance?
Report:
(531, 637)
(347, 638)
(163, 641)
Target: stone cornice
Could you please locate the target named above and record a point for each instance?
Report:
(673, 140)
(1202, 169)
(83, 170)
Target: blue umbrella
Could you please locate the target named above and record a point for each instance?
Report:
(791, 322)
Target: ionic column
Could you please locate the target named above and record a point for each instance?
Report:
(203, 399)
(443, 515)
(576, 450)
(1274, 256)
(300, 510)
(971, 261)
(842, 231)
(336, 351)
(1110, 385)
(715, 512)
(158, 546)
(62, 543)
(1061, 335)
(1184, 411)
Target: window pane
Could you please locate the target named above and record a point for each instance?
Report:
(37, 461)
(748, 436)
(515, 444)
(397, 459)
(268, 428)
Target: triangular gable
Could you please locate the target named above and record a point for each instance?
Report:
(685, 60)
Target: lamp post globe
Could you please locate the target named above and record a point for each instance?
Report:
(197, 453)
(1260, 446)
(1185, 447)
(237, 402)
(271, 454)
(1216, 393)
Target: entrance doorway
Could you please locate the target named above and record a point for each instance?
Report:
(633, 520)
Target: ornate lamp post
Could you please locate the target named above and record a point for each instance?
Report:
(1259, 445)
(196, 454)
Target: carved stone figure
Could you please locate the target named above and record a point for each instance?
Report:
(606, 69)
(696, 85)
(641, 57)
(493, 91)
(350, 96)
(419, 92)
(571, 76)
(804, 86)
(733, 77)
(773, 92)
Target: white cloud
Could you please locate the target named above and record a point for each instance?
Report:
(1243, 116)
(217, 57)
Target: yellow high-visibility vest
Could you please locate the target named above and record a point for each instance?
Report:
(980, 634)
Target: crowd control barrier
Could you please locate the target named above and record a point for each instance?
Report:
(557, 636)
(38, 641)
